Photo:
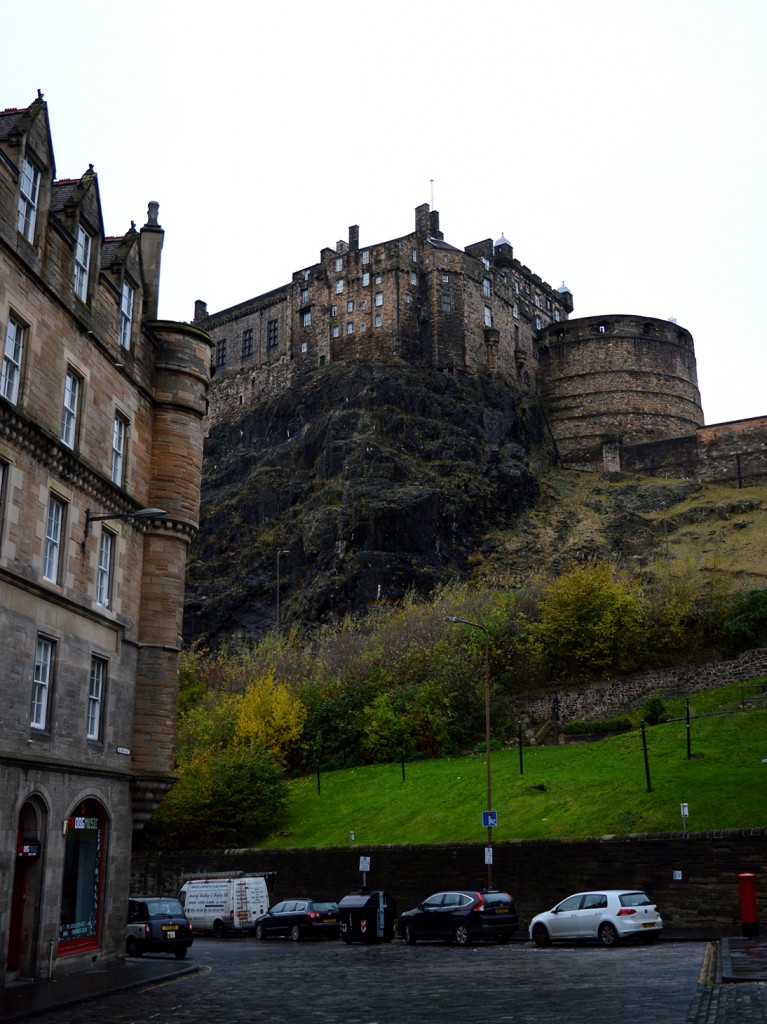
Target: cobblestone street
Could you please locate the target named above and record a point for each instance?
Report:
(279, 982)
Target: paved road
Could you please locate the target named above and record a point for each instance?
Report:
(278, 982)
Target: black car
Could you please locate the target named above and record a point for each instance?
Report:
(157, 924)
(460, 916)
(300, 919)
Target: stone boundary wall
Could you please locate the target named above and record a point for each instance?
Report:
(732, 453)
(536, 873)
(610, 698)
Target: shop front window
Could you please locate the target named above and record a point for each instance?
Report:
(83, 882)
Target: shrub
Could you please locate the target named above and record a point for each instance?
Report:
(654, 710)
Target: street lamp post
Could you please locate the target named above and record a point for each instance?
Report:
(489, 854)
(279, 552)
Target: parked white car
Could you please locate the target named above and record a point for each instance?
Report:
(607, 915)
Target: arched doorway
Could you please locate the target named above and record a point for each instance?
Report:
(82, 885)
(27, 888)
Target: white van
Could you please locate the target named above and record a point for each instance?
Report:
(224, 903)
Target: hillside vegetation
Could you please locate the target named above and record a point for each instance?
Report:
(572, 791)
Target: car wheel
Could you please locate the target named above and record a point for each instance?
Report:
(410, 935)
(260, 932)
(295, 933)
(461, 934)
(541, 935)
(180, 952)
(608, 934)
(218, 929)
(133, 947)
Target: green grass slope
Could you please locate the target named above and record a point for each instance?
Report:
(571, 791)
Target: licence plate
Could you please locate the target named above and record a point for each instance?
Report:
(648, 924)
(329, 920)
(501, 910)
(170, 932)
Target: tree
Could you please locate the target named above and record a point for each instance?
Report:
(230, 798)
(590, 624)
(270, 715)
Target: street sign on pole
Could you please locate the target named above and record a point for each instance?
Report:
(488, 855)
(489, 819)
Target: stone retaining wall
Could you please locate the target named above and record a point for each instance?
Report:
(630, 692)
(536, 873)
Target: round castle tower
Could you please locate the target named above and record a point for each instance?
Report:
(617, 380)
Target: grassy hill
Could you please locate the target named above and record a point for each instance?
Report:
(576, 790)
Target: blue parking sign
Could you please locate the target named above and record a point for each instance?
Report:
(489, 819)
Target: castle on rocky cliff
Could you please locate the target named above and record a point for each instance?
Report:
(618, 391)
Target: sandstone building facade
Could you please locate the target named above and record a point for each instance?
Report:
(101, 433)
(618, 391)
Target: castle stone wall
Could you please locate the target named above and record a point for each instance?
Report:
(617, 378)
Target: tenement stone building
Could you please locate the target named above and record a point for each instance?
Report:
(618, 391)
(101, 432)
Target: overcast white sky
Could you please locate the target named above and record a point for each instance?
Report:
(618, 144)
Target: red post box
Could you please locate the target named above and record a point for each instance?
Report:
(748, 916)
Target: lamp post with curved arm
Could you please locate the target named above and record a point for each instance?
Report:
(489, 851)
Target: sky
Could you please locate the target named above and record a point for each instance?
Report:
(619, 145)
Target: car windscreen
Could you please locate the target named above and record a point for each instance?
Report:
(635, 899)
(165, 908)
(496, 899)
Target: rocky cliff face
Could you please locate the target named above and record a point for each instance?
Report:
(365, 482)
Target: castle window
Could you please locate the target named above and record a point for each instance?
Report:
(365, 256)
(69, 412)
(272, 334)
(350, 306)
(350, 328)
(488, 317)
(378, 279)
(5, 473)
(340, 286)
(537, 302)
(366, 280)
(304, 346)
(334, 310)
(362, 327)
(378, 299)
(82, 263)
(408, 298)
(557, 315)
(445, 277)
(221, 352)
(377, 320)
(538, 323)
(29, 190)
(363, 304)
(247, 342)
(414, 255)
(601, 328)
(306, 318)
(104, 571)
(304, 296)
(96, 698)
(413, 277)
(43, 681)
(306, 275)
(14, 347)
(339, 263)
(516, 287)
(336, 332)
(54, 526)
(119, 433)
(515, 310)
(447, 302)
(126, 313)
(486, 287)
